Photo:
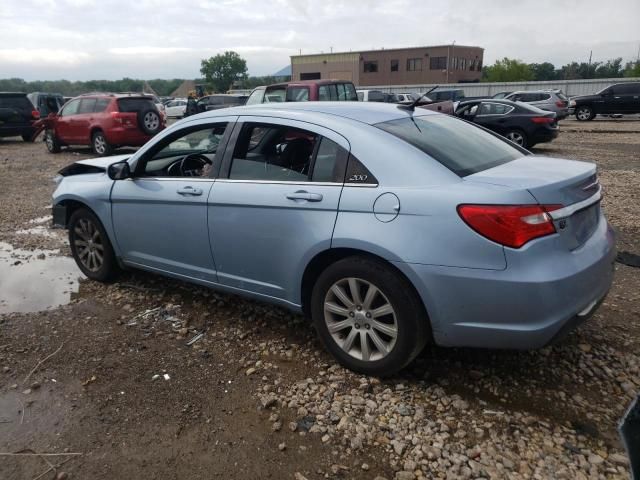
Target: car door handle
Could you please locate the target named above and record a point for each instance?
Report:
(190, 191)
(302, 195)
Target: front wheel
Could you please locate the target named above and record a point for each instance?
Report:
(91, 247)
(368, 316)
(517, 136)
(51, 141)
(100, 145)
(584, 114)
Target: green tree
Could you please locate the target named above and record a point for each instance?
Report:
(632, 69)
(507, 70)
(610, 69)
(543, 71)
(223, 70)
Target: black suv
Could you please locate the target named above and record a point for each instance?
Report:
(622, 98)
(17, 115)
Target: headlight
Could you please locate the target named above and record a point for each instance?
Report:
(572, 103)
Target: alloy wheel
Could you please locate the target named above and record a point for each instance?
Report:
(89, 246)
(584, 114)
(99, 144)
(516, 137)
(151, 121)
(360, 319)
(49, 141)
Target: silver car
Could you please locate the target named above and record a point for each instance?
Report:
(550, 100)
(390, 228)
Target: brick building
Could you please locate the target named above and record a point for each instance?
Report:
(397, 66)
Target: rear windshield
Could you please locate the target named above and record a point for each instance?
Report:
(460, 146)
(561, 96)
(135, 104)
(19, 102)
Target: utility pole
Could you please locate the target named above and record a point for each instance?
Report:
(449, 53)
(590, 54)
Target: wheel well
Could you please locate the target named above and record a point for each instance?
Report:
(322, 260)
(93, 131)
(71, 207)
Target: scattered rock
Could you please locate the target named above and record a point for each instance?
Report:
(282, 446)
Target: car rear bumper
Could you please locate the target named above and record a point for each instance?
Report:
(547, 135)
(528, 305)
(16, 130)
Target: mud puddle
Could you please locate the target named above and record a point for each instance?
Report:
(31, 281)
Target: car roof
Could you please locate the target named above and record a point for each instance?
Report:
(540, 90)
(489, 100)
(295, 83)
(13, 94)
(364, 112)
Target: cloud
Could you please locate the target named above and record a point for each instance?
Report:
(84, 39)
(42, 55)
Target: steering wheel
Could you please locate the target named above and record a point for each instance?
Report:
(198, 158)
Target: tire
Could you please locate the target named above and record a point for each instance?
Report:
(517, 136)
(51, 141)
(28, 138)
(407, 319)
(100, 146)
(86, 234)
(584, 113)
(149, 121)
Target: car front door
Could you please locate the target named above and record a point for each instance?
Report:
(275, 204)
(64, 127)
(82, 121)
(493, 116)
(626, 98)
(160, 215)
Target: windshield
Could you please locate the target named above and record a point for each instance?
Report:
(460, 146)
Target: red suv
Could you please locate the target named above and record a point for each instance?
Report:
(304, 91)
(104, 121)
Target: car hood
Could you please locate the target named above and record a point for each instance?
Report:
(92, 165)
(586, 98)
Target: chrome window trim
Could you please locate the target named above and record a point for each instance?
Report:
(571, 209)
(278, 182)
(173, 179)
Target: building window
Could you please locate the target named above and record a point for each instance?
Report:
(463, 64)
(311, 76)
(370, 67)
(438, 63)
(394, 65)
(414, 64)
(472, 64)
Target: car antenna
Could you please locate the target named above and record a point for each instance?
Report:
(412, 106)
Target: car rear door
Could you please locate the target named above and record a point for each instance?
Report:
(494, 116)
(275, 204)
(160, 215)
(626, 98)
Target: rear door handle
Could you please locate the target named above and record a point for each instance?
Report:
(302, 195)
(189, 190)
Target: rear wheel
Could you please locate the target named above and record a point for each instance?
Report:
(91, 247)
(368, 316)
(50, 139)
(100, 145)
(517, 136)
(584, 113)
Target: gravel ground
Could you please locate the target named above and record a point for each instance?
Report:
(257, 397)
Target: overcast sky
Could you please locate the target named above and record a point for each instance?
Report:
(111, 39)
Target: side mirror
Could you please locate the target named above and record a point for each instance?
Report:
(119, 171)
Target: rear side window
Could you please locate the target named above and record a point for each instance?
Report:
(101, 104)
(21, 103)
(330, 162)
(87, 105)
(349, 93)
(627, 89)
(255, 97)
(275, 95)
(461, 147)
(135, 104)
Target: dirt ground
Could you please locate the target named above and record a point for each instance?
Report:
(103, 376)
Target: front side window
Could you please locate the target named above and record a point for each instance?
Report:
(255, 97)
(190, 152)
(494, 109)
(350, 94)
(70, 108)
(414, 64)
(370, 67)
(275, 95)
(297, 94)
(324, 95)
(273, 152)
(461, 147)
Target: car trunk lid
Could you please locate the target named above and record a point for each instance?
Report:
(570, 185)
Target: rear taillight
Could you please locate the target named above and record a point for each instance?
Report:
(561, 104)
(509, 225)
(35, 114)
(543, 120)
(117, 117)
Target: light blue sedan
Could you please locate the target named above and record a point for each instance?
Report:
(390, 228)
